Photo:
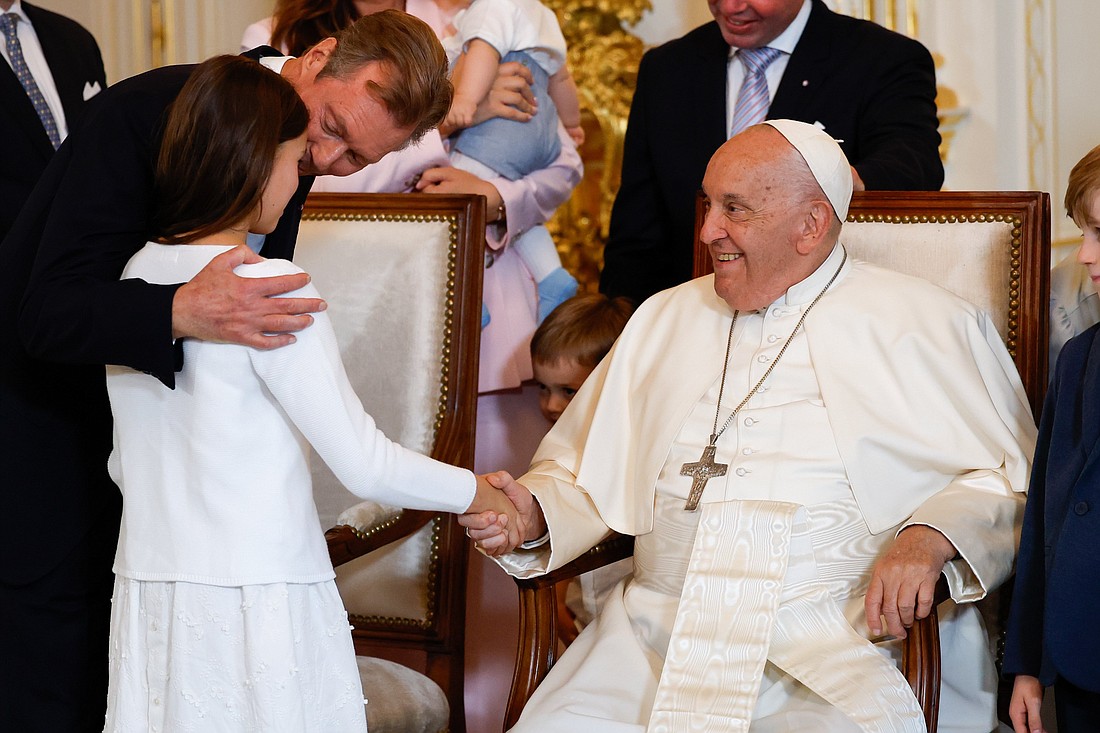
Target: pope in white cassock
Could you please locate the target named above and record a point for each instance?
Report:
(801, 444)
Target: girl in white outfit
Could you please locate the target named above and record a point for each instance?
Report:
(225, 614)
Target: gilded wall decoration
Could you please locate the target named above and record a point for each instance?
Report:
(603, 57)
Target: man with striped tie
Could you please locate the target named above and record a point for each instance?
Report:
(870, 89)
(53, 67)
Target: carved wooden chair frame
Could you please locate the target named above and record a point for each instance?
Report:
(1028, 293)
(441, 635)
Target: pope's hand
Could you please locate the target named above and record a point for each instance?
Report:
(487, 529)
(903, 582)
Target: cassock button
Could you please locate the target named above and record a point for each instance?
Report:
(749, 422)
(1081, 508)
(747, 451)
(741, 471)
(772, 339)
(763, 358)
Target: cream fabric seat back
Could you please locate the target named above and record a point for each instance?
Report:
(990, 248)
(385, 281)
(402, 277)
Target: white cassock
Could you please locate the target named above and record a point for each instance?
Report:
(897, 404)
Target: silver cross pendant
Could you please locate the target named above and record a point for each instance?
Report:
(701, 471)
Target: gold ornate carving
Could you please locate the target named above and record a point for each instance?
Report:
(603, 58)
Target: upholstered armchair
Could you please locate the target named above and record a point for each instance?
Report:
(402, 277)
(992, 249)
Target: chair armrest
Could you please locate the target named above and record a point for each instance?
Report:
(538, 638)
(920, 658)
(538, 632)
(347, 542)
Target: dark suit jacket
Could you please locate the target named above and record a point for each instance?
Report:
(1056, 599)
(74, 60)
(873, 89)
(59, 270)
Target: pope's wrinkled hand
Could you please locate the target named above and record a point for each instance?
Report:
(499, 532)
(903, 582)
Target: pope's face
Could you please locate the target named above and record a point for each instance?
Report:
(754, 222)
(753, 23)
(1089, 254)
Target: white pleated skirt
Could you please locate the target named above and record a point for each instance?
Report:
(193, 657)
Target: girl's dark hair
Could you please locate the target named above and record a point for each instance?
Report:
(219, 146)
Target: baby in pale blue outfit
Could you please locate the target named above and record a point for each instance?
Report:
(489, 32)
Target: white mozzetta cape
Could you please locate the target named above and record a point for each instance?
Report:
(927, 409)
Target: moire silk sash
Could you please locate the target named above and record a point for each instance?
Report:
(751, 595)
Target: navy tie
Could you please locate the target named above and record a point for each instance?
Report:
(23, 74)
(753, 99)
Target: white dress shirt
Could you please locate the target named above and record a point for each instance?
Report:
(785, 42)
(36, 62)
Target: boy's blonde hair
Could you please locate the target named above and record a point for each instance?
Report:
(1084, 183)
(581, 329)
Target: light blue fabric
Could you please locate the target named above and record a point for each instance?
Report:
(555, 289)
(514, 149)
(255, 241)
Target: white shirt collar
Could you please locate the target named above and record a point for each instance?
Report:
(17, 8)
(788, 39)
(275, 63)
(803, 292)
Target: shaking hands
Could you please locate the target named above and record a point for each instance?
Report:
(502, 515)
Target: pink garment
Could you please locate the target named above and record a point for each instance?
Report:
(510, 293)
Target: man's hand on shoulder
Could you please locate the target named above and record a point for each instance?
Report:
(903, 581)
(219, 305)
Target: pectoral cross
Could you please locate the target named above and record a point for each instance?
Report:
(702, 471)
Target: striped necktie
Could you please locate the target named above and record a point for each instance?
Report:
(753, 99)
(23, 74)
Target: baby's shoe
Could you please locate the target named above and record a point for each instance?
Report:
(554, 289)
(484, 316)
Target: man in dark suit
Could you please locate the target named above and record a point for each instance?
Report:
(872, 90)
(382, 82)
(72, 74)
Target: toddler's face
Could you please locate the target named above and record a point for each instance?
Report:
(1089, 254)
(558, 382)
